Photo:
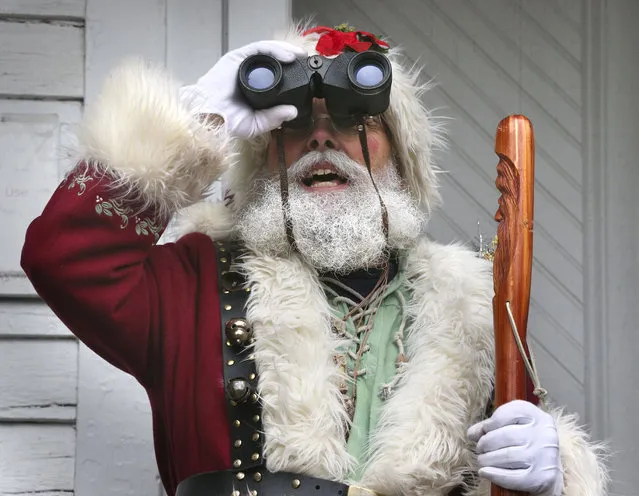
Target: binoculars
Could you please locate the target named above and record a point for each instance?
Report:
(353, 84)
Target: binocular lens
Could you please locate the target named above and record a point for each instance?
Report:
(260, 78)
(369, 75)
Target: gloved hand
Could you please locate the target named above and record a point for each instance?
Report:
(217, 93)
(518, 449)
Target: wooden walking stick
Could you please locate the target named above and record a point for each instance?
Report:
(512, 263)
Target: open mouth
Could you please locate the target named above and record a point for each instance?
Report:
(323, 177)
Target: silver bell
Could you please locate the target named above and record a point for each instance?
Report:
(239, 390)
(238, 332)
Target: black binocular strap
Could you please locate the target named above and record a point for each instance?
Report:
(288, 223)
(361, 128)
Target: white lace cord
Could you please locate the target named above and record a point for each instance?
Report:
(370, 313)
(539, 391)
(387, 389)
(337, 298)
(340, 285)
(352, 318)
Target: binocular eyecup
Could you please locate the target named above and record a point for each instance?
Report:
(353, 84)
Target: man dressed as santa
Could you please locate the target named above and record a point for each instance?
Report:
(303, 336)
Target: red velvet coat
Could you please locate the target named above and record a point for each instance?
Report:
(152, 311)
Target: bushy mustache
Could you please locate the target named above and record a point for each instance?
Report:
(345, 166)
(338, 231)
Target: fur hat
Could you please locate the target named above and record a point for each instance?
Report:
(413, 133)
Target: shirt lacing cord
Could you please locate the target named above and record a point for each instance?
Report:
(366, 317)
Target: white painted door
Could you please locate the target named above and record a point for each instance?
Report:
(41, 91)
(69, 422)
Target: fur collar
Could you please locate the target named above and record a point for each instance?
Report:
(420, 445)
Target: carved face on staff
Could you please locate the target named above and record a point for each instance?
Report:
(507, 214)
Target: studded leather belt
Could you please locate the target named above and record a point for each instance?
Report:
(240, 376)
(259, 482)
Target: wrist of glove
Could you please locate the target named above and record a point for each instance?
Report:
(217, 93)
(518, 449)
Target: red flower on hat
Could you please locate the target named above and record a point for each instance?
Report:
(335, 41)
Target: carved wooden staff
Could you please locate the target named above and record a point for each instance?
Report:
(512, 264)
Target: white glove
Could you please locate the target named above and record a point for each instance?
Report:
(217, 93)
(518, 449)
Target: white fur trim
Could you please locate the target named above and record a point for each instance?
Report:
(421, 446)
(583, 461)
(303, 412)
(212, 219)
(415, 134)
(483, 488)
(140, 131)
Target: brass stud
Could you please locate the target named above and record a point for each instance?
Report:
(237, 443)
(256, 418)
(239, 390)
(227, 307)
(222, 250)
(223, 260)
(239, 475)
(225, 291)
(220, 243)
(228, 343)
(251, 357)
(248, 290)
(253, 492)
(257, 476)
(238, 331)
(252, 377)
(230, 362)
(255, 437)
(255, 457)
(254, 398)
(236, 423)
(233, 403)
(235, 493)
(237, 463)
(296, 483)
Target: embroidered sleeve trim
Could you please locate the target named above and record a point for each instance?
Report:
(144, 226)
(81, 180)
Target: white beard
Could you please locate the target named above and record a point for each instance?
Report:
(339, 231)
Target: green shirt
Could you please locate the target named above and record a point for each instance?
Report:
(378, 364)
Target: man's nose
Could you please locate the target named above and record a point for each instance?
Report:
(322, 136)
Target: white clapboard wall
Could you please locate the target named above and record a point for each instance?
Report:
(69, 422)
(41, 91)
(489, 59)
